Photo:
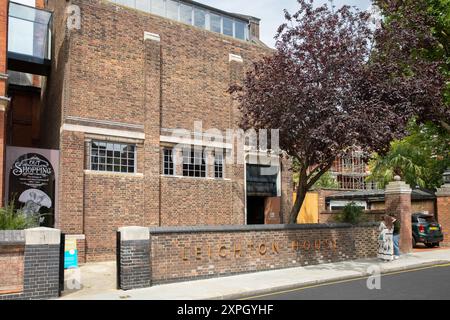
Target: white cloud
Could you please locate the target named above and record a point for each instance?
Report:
(271, 11)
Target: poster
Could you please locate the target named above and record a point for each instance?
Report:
(70, 254)
(32, 187)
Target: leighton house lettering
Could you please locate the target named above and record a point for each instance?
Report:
(238, 250)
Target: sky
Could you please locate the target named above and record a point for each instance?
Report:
(271, 11)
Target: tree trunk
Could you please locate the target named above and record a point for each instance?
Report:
(301, 194)
(445, 125)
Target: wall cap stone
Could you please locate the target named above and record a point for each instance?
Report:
(151, 36)
(134, 233)
(244, 228)
(398, 187)
(37, 236)
(12, 237)
(236, 57)
(443, 191)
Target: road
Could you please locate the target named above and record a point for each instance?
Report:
(431, 283)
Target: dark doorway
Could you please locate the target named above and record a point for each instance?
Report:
(255, 210)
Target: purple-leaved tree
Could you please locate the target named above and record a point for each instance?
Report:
(318, 90)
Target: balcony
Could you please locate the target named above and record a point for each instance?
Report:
(29, 39)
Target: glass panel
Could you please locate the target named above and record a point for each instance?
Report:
(158, 7)
(215, 23)
(186, 14)
(240, 30)
(172, 9)
(199, 18)
(128, 3)
(227, 26)
(143, 5)
(29, 31)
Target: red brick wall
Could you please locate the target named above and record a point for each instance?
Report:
(11, 268)
(443, 208)
(179, 256)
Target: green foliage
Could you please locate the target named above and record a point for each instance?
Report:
(12, 219)
(351, 214)
(326, 181)
(420, 158)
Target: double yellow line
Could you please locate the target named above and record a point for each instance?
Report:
(344, 281)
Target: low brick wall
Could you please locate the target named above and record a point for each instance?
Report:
(29, 264)
(188, 253)
(370, 215)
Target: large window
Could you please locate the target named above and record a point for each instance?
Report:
(168, 162)
(192, 14)
(200, 18)
(172, 9)
(227, 27)
(112, 157)
(215, 23)
(186, 14)
(194, 164)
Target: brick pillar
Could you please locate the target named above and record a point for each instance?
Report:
(133, 263)
(152, 159)
(41, 274)
(443, 208)
(398, 204)
(237, 169)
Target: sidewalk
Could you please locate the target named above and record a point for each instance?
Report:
(252, 284)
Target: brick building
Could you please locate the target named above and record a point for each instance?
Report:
(118, 78)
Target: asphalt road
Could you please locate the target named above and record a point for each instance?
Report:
(431, 283)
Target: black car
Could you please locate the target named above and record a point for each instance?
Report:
(426, 230)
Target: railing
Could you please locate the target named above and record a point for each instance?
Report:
(29, 33)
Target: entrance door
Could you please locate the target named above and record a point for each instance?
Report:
(255, 210)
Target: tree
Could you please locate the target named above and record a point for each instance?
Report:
(316, 89)
(420, 158)
(414, 45)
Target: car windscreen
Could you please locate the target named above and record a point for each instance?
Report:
(426, 219)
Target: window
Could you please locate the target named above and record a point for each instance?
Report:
(143, 5)
(158, 7)
(218, 166)
(215, 23)
(194, 164)
(227, 27)
(186, 14)
(172, 9)
(168, 162)
(239, 30)
(199, 18)
(113, 157)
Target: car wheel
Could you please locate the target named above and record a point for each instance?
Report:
(429, 245)
(414, 243)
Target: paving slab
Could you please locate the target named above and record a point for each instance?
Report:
(240, 286)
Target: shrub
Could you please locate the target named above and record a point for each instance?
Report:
(351, 214)
(12, 219)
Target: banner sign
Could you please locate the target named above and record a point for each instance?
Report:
(32, 186)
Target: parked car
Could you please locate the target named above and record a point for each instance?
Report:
(426, 230)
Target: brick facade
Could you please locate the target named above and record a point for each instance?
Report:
(112, 75)
(179, 254)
